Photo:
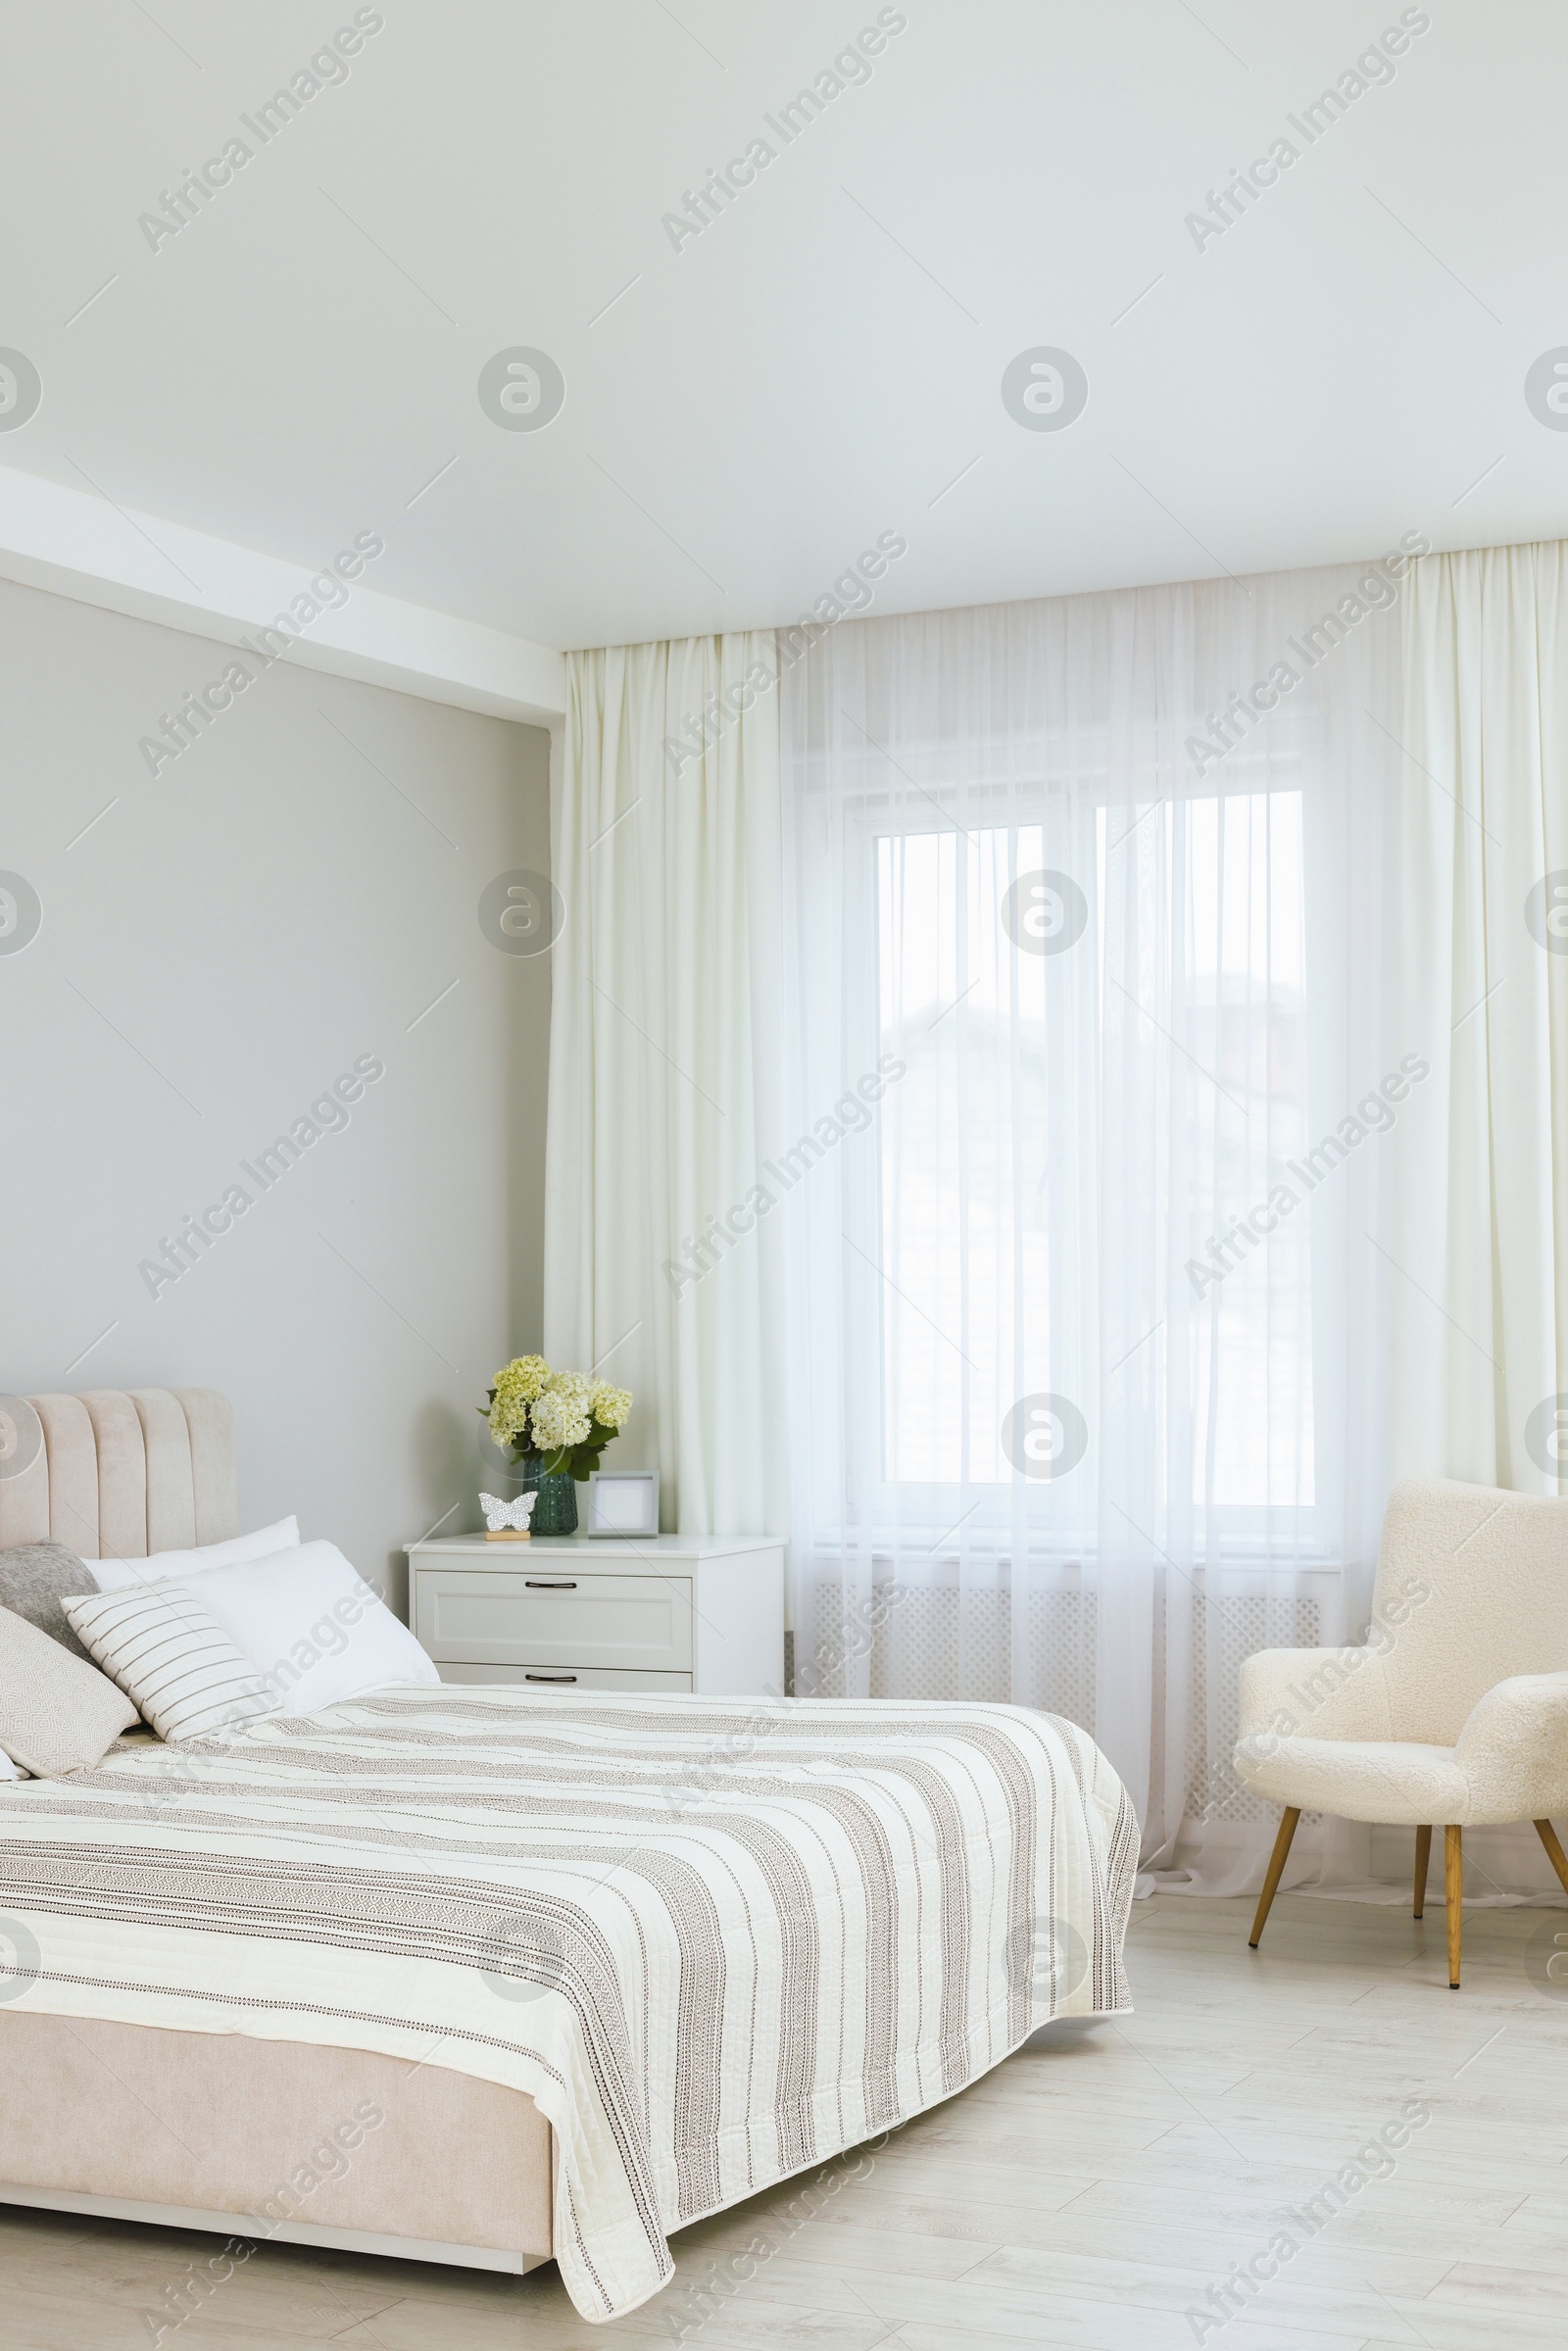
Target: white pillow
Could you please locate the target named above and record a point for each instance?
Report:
(10, 1770)
(172, 1661)
(117, 1575)
(309, 1624)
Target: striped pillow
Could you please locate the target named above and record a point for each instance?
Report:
(171, 1661)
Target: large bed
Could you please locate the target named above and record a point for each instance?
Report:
(490, 1975)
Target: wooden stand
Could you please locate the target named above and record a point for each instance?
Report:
(508, 1535)
(1554, 1852)
(1276, 1867)
(1453, 1896)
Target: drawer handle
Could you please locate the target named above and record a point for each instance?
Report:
(549, 1677)
(535, 1584)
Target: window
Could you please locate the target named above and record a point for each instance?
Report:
(1054, 1004)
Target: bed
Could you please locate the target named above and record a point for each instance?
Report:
(490, 1975)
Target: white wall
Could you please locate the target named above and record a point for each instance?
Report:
(213, 953)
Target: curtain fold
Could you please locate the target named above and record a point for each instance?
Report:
(1479, 1338)
(663, 1049)
(1086, 1320)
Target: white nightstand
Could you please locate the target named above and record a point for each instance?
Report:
(665, 1612)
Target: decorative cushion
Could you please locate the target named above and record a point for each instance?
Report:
(166, 1653)
(118, 1574)
(57, 1714)
(34, 1577)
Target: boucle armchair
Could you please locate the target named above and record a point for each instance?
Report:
(1456, 1708)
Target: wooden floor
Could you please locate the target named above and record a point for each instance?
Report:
(1088, 2193)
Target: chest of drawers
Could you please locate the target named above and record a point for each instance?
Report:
(670, 1612)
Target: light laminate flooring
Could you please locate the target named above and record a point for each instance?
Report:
(1088, 2193)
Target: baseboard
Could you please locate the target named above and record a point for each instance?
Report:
(287, 2232)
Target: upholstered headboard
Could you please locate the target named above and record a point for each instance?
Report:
(113, 1474)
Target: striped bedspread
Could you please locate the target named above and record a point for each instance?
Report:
(715, 1940)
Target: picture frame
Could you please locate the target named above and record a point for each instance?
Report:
(622, 1503)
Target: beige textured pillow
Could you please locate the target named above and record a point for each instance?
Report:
(57, 1715)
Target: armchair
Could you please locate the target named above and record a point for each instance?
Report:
(1456, 1708)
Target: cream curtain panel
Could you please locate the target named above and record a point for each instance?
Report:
(659, 1272)
(1478, 1328)
(1479, 1335)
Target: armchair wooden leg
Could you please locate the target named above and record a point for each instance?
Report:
(1453, 1896)
(1276, 1870)
(1554, 1852)
(1423, 1858)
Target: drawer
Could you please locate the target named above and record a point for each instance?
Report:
(585, 1677)
(552, 1616)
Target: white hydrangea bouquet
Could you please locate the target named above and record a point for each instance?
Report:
(563, 1417)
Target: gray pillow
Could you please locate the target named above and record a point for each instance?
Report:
(34, 1579)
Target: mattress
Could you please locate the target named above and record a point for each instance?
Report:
(713, 1942)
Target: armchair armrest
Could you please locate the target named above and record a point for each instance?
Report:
(1313, 1693)
(1513, 1749)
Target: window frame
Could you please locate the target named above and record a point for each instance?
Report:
(994, 1518)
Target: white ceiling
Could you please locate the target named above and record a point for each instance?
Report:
(1345, 363)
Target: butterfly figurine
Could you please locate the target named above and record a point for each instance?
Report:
(501, 1517)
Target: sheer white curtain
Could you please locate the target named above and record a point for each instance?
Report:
(1084, 938)
(663, 1046)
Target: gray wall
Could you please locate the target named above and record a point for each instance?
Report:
(214, 953)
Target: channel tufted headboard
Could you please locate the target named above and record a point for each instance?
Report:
(113, 1474)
